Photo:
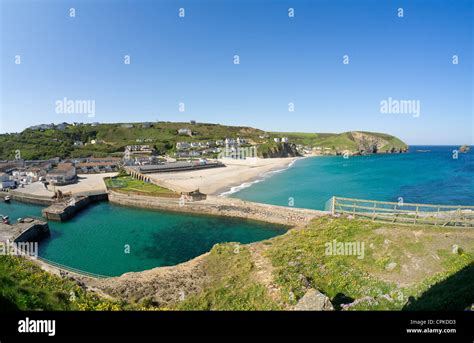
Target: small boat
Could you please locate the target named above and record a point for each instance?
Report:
(5, 220)
(7, 198)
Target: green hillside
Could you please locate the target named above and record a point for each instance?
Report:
(40, 144)
(344, 141)
(111, 139)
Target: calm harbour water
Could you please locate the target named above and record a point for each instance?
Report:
(96, 239)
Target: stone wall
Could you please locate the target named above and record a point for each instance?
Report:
(30, 199)
(220, 206)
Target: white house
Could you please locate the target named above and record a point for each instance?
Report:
(187, 132)
(63, 174)
(5, 181)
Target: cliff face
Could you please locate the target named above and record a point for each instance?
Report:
(280, 150)
(372, 144)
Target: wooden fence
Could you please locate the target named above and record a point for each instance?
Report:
(403, 213)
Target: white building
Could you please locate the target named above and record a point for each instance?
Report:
(5, 181)
(187, 132)
(182, 145)
(64, 173)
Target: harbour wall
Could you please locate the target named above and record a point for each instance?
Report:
(219, 206)
(65, 210)
(28, 198)
(33, 233)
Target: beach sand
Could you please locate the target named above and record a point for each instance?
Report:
(215, 181)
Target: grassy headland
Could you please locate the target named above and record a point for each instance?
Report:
(403, 268)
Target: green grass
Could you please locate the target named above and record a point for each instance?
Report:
(300, 259)
(299, 262)
(25, 286)
(337, 141)
(230, 285)
(128, 184)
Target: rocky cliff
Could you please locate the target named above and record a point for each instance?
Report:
(368, 143)
(279, 150)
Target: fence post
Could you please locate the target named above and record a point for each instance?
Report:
(333, 206)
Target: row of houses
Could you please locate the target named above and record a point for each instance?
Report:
(93, 165)
(139, 149)
(221, 142)
(198, 149)
(61, 126)
(143, 160)
(62, 173)
(53, 171)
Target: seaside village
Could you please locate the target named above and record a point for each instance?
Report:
(86, 174)
(140, 168)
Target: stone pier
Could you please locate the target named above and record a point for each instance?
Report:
(64, 210)
(28, 230)
(220, 206)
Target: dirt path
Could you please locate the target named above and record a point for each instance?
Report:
(263, 272)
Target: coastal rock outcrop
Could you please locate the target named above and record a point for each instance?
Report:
(314, 300)
(371, 144)
(281, 150)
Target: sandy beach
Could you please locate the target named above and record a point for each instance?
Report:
(215, 181)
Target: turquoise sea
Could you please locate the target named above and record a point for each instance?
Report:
(427, 174)
(96, 240)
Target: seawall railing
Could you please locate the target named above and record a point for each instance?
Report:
(65, 268)
(403, 213)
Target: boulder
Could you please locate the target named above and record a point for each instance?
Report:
(314, 300)
(455, 249)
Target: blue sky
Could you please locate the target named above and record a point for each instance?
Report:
(282, 60)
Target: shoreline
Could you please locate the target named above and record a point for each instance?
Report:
(229, 190)
(216, 181)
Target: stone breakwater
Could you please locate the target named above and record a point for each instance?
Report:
(28, 230)
(220, 206)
